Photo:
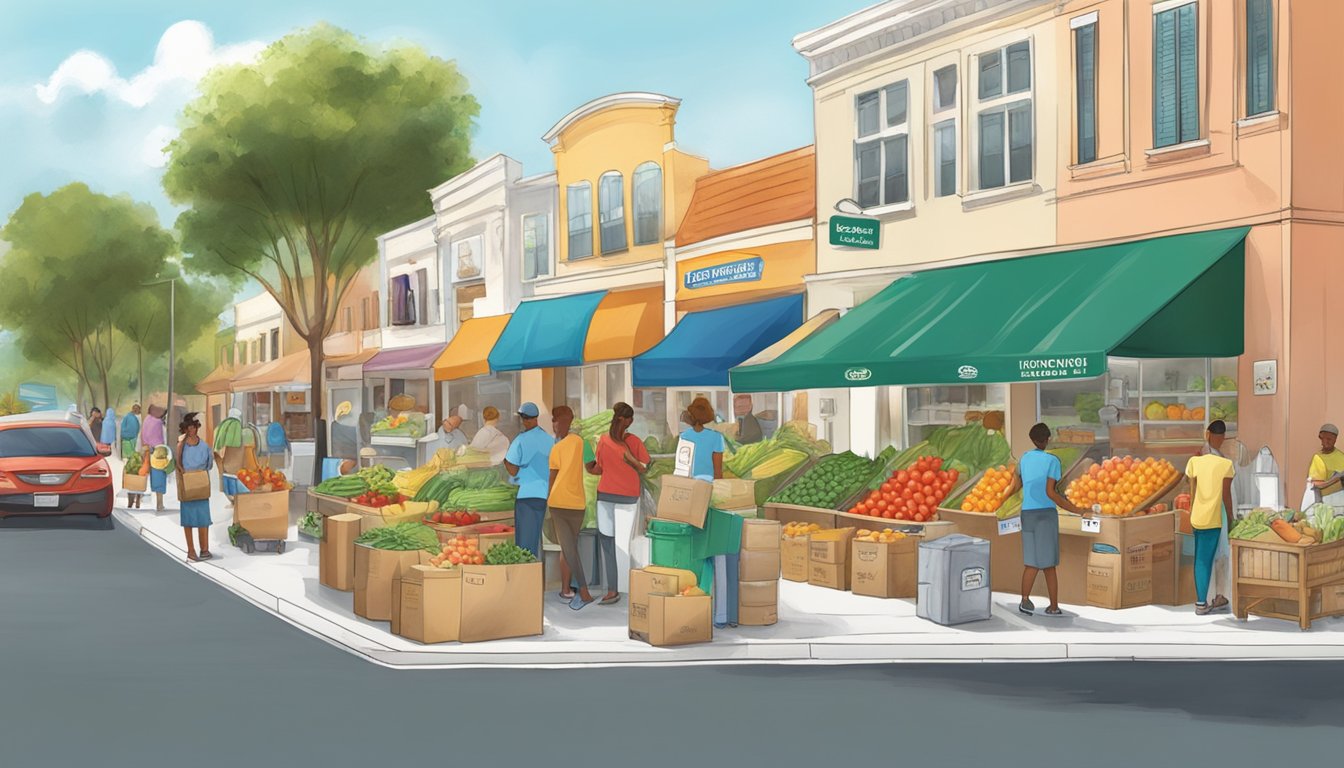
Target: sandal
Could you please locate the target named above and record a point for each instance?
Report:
(1055, 612)
(1219, 603)
(611, 600)
(578, 602)
(205, 554)
(566, 598)
(192, 558)
(1026, 607)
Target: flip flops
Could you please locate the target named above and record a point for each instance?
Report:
(1053, 613)
(611, 600)
(1027, 608)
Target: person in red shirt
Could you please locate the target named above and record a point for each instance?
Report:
(621, 461)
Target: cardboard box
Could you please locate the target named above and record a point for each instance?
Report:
(1122, 580)
(793, 558)
(375, 570)
(264, 515)
(830, 547)
(733, 493)
(484, 541)
(1164, 573)
(758, 565)
(684, 500)
(651, 581)
(758, 593)
(430, 605)
(134, 483)
(757, 615)
(680, 620)
(832, 575)
(336, 553)
(761, 535)
(885, 570)
(500, 601)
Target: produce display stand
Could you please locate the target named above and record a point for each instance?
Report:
(1005, 551)
(448, 532)
(1287, 581)
(832, 518)
(327, 506)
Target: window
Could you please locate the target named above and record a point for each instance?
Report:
(536, 247)
(348, 319)
(1175, 76)
(1259, 57)
(945, 131)
(364, 313)
(421, 295)
(1005, 133)
(373, 312)
(945, 158)
(579, 206)
(1085, 73)
(647, 190)
(401, 310)
(464, 299)
(258, 352)
(611, 211)
(929, 408)
(275, 343)
(881, 151)
(45, 442)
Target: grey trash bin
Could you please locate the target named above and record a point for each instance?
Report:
(953, 580)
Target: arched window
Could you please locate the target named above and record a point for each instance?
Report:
(648, 203)
(611, 211)
(579, 210)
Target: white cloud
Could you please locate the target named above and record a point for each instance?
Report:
(152, 152)
(186, 51)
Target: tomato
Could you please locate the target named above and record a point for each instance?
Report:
(927, 490)
(902, 477)
(889, 514)
(875, 495)
(953, 474)
(924, 510)
(881, 505)
(912, 486)
(918, 498)
(919, 518)
(888, 487)
(937, 463)
(927, 478)
(907, 494)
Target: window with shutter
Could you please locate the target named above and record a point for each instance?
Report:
(1175, 76)
(1085, 73)
(1005, 125)
(881, 146)
(1259, 57)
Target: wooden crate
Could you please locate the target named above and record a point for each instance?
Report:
(1287, 581)
(328, 505)
(795, 513)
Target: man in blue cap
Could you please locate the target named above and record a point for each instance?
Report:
(528, 461)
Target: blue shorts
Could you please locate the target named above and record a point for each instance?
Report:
(1040, 538)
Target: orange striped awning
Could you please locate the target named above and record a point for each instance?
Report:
(468, 353)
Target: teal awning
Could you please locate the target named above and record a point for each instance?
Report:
(704, 345)
(1028, 319)
(546, 333)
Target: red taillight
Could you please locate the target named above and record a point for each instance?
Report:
(99, 471)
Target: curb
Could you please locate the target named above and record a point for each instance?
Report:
(941, 650)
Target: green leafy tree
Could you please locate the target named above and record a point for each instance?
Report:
(293, 165)
(75, 258)
(143, 318)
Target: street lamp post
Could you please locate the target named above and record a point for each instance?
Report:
(172, 339)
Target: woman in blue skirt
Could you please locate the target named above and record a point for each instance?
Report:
(194, 455)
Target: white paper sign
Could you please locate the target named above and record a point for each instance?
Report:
(1091, 526)
(685, 460)
(1009, 526)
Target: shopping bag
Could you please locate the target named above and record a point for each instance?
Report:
(193, 485)
(685, 458)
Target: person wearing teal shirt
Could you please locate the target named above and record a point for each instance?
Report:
(707, 464)
(130, 431)
(528, 461)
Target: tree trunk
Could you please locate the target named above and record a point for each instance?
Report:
(317, 404)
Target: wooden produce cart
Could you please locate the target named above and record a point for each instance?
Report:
(1287, 581)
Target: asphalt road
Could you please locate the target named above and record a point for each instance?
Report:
(112, 655)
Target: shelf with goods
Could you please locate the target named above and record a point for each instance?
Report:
(1179, 397)
(1289, 565)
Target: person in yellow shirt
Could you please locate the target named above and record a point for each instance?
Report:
(1210, 507)
(1325, 465)
(568, 502)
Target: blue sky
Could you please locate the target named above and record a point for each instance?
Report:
(101, 119)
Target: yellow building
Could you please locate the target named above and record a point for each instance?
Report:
(623, 188)
(939, 122)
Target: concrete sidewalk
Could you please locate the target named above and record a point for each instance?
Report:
(816, 625)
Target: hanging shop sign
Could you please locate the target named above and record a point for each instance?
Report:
(742, 271)
(852, 232)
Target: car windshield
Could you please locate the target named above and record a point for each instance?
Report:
(44, 441)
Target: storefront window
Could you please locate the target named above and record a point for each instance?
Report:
(753, 417)
(464, 298)
(650, 414)
(928, 408)
(595, 388)
(475, 394)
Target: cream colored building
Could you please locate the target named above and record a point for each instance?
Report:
(938, 119)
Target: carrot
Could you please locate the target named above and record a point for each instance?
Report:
(1285, 531)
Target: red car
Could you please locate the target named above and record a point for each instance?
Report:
(50, 464)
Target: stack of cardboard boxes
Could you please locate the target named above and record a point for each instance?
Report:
(793, 558)
(828, 558)
(891, 568)
(1121, 579)
(758, 573)
(468, 603)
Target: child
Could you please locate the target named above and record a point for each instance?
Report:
(160, 464)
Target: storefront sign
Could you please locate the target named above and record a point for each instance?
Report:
(468, 258)
(1053, 368)
(851, 232)
(744, 271)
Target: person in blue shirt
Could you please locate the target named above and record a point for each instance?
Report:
(1037, 475)
(528, 461)
(707, 464)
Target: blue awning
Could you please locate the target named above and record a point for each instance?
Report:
(704, 345)
(546, 333)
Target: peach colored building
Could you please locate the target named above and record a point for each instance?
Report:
(1196, 115)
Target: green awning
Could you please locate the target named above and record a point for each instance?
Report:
(1032, 318)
